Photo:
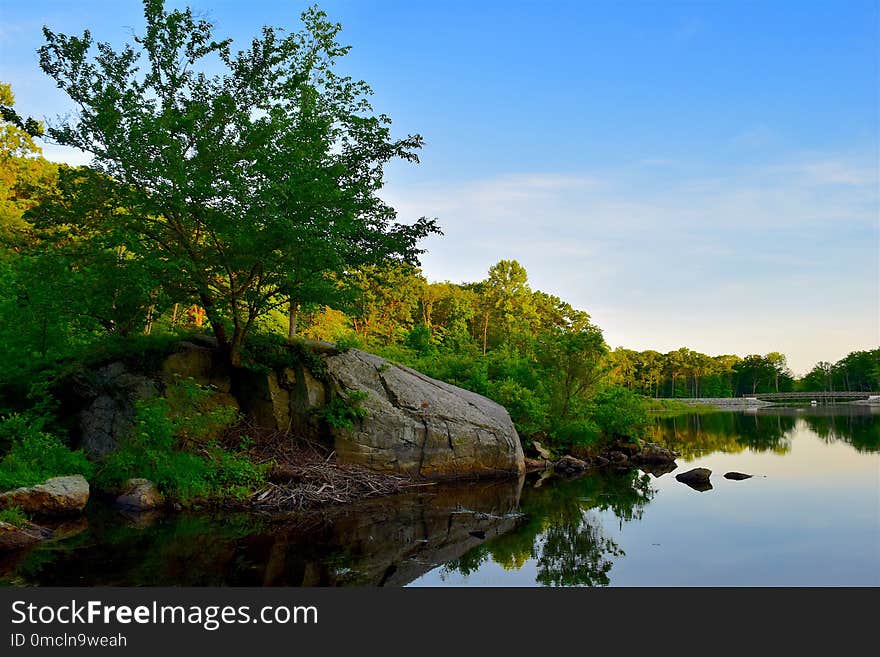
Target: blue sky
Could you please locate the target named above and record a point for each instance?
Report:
(691, 173)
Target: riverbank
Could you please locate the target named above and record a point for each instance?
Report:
(710, 403)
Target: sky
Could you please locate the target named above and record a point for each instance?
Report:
(700, 174)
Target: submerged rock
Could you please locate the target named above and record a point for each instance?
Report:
(140, 495)
(698, 479)
(657, 469)
(737, 476)
(58, 496)
(16, 537)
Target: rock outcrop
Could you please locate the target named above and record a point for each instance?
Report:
(737, 476)
(109, 412)
(411, 424)
(419, 426)
(653, 453)
(58, 496)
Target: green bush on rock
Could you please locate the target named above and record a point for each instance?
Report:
(35, 456)
(176, 445)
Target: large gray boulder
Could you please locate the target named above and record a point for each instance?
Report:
(57, 496)
(416, 425)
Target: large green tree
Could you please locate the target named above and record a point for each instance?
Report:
(252, 185)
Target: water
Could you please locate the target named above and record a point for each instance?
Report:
(809, 516)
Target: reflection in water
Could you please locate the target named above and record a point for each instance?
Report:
(387, 541)
(627, 526)
(768, 429)
(561, 531)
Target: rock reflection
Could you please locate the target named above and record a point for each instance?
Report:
(386, 541)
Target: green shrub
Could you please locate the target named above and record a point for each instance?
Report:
(344, 410)
(582, 432)
(175, 445)
(346, 342)
(13, 516)
(527, 409)
(35, 456)
(620, 413)
(421, 340)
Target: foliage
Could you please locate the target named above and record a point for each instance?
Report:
(857, 371)
(253, 186)
(13, 516)
(175, 445)
(343, 410)
(35, 456)
(620, 412)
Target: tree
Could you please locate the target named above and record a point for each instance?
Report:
(251, 184)
(24, 173)
(573, 361)
(506, 298)
(779, 367)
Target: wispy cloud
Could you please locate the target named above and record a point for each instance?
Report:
(658, 256)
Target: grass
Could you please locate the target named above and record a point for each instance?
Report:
(672, 408)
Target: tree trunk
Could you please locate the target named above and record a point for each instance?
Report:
(485, 332)
(292, 317)
(216, 323)
(148, 327)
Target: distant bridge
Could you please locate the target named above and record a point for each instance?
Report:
(809, 396)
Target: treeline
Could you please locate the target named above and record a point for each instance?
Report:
(859, 371)
(687, 373)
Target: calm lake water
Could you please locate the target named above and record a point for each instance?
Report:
(809, 516)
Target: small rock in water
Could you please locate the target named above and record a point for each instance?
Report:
(737, 476)
(698, 479)
(569, 464)
(140, 495)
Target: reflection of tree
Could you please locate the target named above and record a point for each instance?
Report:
(181, 550)
(559, 533)
(696, 434)
(861, 430)
(576, 553)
